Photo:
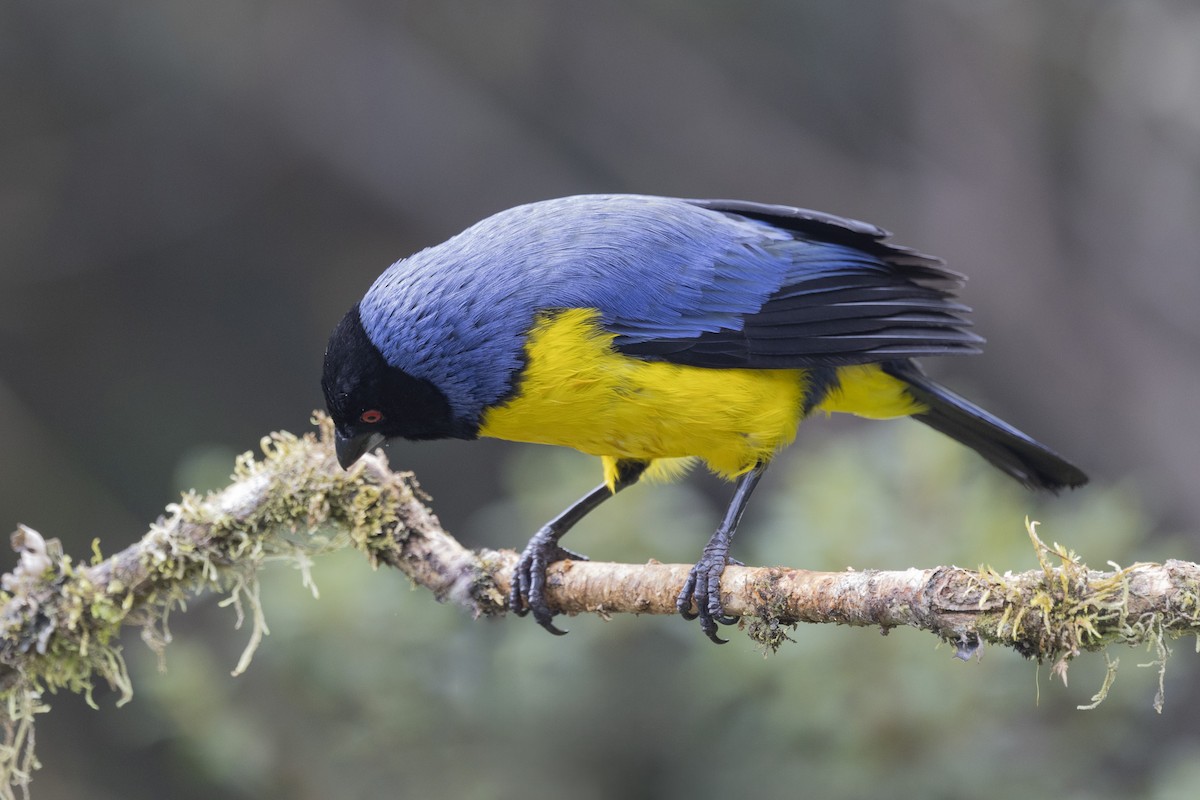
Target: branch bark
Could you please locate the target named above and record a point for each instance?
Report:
(59, 620)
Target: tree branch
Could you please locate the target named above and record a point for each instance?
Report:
(59, 620)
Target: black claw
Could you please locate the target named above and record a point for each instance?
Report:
(549, 626)
(709, 626)
(683, 603)
(516, 593)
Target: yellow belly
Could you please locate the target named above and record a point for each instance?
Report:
(577, 391)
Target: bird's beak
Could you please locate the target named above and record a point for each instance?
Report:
(351, 448)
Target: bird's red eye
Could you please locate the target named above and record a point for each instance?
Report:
(370, 416)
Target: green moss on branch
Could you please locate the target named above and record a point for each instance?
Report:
(59, 619)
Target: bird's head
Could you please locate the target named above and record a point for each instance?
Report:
(371, 401)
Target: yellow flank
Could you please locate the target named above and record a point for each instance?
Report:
(578, 391)
(867, 391)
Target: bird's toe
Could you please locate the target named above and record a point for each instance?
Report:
(702, 592)
(527, 594)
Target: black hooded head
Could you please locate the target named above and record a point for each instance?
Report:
(370, 400)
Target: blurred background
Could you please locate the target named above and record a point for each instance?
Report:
(191, 194)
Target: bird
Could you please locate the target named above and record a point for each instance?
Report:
(654, 333)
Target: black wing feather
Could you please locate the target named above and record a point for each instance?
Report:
(892, 302)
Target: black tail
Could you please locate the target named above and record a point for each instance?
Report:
(1031, 463)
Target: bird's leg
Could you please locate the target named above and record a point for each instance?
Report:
(703, 586)
(528, 590)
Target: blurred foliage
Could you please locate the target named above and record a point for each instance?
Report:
(377, 690)
(191, 194)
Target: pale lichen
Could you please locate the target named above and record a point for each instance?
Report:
(1064, 608)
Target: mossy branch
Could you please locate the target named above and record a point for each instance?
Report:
(60, 618)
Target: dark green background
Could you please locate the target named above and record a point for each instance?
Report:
(192, 193)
